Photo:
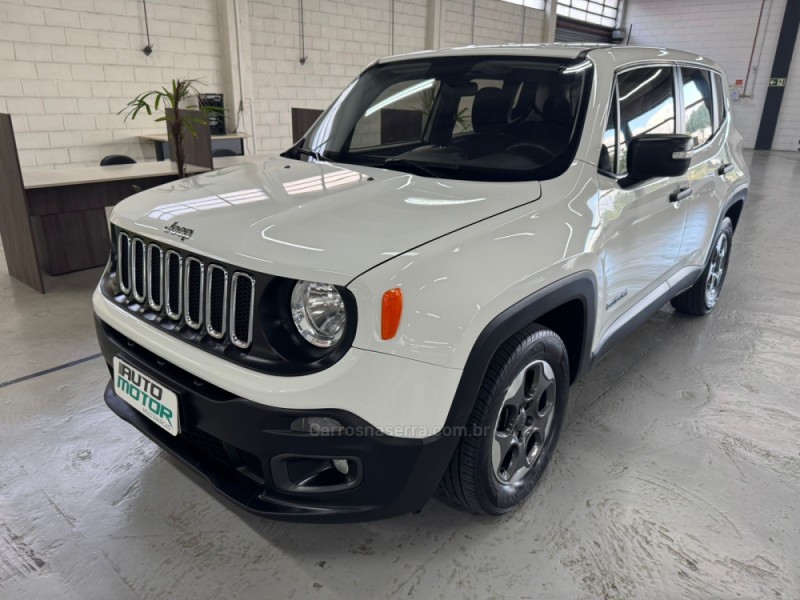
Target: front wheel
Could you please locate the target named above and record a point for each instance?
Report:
(701, 298)
(514, 426)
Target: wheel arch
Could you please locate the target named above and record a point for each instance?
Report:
(734, 209)
(568, 306)
(733, 205)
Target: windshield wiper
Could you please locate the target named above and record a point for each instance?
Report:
(426, 168)
(293, 152)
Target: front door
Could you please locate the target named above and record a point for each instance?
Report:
(642, 227)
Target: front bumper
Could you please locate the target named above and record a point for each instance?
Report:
(399, 396)
(241, 446)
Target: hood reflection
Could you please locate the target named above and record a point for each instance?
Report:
(305, 185)
(165, 212)
(326, 181)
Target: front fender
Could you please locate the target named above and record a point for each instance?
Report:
(453, 287)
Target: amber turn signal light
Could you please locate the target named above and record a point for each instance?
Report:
(391, 311)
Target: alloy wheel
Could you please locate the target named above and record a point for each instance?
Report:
(716, 270)
(524, 422)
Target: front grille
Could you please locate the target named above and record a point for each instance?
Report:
(138, 270)
(216, 301)
(183, 288)
(227, 454)
(155, 276)
(215, 306)
(241, 309)
(173, 284)
(193, 293)
(124, 262)
(207, 444)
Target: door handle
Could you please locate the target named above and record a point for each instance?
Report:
(681, 194)
(725, 168)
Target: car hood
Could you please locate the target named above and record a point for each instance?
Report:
(317, 221)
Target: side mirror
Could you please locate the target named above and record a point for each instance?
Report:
(658, 155)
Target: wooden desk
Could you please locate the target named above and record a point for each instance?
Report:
(64, 176)
(66, 209)
(67, 212)
(66, 218)
(54, 220)
(230, 141)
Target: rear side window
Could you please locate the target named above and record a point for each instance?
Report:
(646, 105)
(698, 104)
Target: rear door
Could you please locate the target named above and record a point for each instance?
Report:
(703, 119)
(642, 229)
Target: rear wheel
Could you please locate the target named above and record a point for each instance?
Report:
(514, 426)
(701, 298)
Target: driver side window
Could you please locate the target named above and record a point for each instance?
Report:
(646, 101)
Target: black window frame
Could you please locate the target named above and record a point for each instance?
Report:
(721, 110)
(613, 107)
(720, 96)
(677, 97)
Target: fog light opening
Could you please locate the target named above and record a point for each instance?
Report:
(341, 465)
(315, 474)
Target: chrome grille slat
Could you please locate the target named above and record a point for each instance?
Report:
(216, 301)
(173, 284)
(155, 277)
(193, 300)
(124, 262)
(211, 299)
(243, 288)
(138, 270)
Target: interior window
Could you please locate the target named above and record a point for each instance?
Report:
(646, 104)
(698, 102)
(608, 151)
(397, 115)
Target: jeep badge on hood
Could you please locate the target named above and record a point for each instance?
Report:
(184, 233)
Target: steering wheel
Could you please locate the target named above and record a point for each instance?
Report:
(536, 152)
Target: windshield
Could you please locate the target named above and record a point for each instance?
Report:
(473, 117)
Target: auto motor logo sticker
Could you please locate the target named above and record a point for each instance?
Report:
(146, 396)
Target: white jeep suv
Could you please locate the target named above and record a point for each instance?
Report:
(400, 301)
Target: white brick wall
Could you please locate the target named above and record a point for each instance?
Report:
(342, 37)
(496, 22)
(68, 66)
(724, 30)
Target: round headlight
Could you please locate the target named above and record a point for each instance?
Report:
(318, 313)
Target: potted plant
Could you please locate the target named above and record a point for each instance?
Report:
(174, 102)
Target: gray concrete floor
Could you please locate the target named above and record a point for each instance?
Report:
(677, 475)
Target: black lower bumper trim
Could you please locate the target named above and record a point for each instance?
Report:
(232, 442)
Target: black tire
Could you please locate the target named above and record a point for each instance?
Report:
(471, 479)
(696, 301)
